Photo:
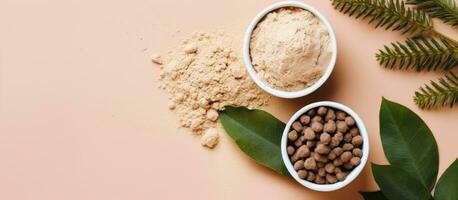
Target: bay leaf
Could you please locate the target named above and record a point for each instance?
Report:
(447, 187)
(397, 184)
(257, 133)
(378, 195)
(408, 143)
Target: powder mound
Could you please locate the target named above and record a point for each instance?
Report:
(202, 76)
(290, 49)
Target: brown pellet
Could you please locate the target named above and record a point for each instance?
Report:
(310, 144)
(292, 136)
(339, 136)
(354, 131)
(311, 112)
(290, 150)
(337, 162)
(310, 164)
(302, 151)
(330, 126)
(357, 152)
(329, 167)
(334, 142)
(332, 155)
(348, 166)
(341, 176)
(325, 138)
(322, 149)
(346, 156)
(311, 176)
(338, 151)
(299, 165)
(302, 174)
(317, 127)
(320, 158)
(322, 111)
(347, 147)
(341, 126)
(305, 119)
(340, 115)
(321, 171)
(350, 121)
(320, 180)
(355, 161)
(331, 115)
(331, 179)
(317, 118)
(347, 138)
(357, 140)
(297, 126)
(298, 143)
(309, 133)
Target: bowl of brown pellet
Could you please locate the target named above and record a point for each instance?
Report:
(325, 146)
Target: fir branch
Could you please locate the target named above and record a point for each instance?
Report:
(420, 54)
(437, 94)
(391, 14)
(443, 9)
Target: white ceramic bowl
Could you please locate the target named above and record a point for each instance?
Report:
(247, 57)
(353, 174)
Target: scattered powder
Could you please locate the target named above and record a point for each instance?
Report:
(290, 49)
(202, 76)
(156, 59)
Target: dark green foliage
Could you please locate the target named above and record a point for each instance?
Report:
(443, 9)
(443, 92)
(391, 14)
(419, 54)
(373, 195)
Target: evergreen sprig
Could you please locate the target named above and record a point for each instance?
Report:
(443, 9)
(443, 92)
(419, 54)
(391, 14)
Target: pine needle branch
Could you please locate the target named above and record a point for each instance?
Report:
(390, 14)
(419, 54)
(442, 9)
(441, 93)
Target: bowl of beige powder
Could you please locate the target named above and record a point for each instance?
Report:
(290, 49)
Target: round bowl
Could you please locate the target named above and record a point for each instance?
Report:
(247, 57)
(353, 174)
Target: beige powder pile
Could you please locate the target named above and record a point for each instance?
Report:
(202, 76)
(290, 49)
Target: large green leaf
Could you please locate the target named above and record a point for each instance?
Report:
(408, 143)
(447, 187)
(397, 184)
(378, 195)
(257, 133)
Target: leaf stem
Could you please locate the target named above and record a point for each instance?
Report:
(436, 33)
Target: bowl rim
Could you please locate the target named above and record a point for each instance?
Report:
(353, 174)
(247, 56)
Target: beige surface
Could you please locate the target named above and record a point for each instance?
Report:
(81, 116)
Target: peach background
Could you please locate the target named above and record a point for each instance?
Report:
(81, 116)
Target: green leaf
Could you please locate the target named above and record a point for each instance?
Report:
(447, 187)
(444, 92)
(390, 14)
(419, 54)
(443, 9)
(257, 133)
(378, 195)
(408, 143)
(397, 184)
